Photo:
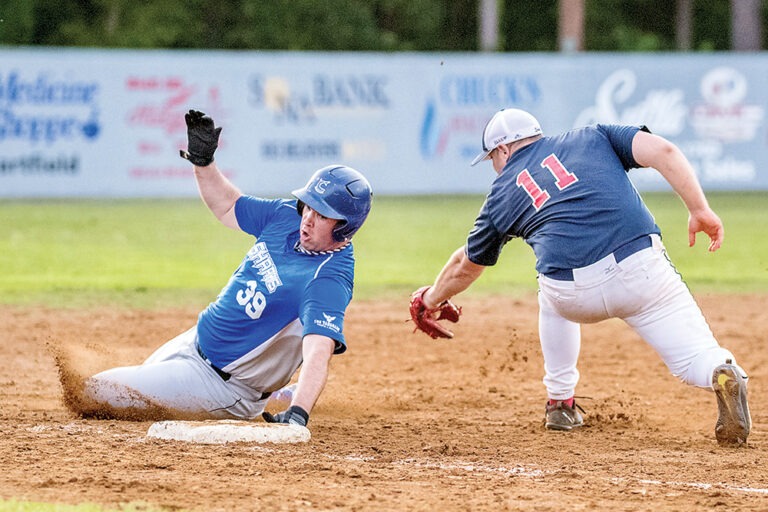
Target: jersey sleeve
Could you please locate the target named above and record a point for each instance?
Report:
(485, 242)
(323, 309)
(621, 138)
(254, 213)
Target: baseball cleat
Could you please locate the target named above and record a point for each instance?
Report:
(559, 416)
(733, 421)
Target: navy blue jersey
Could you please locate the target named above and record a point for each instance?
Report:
(276, 285)
(568, 196)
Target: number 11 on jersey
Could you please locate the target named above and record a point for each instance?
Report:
(539, 196)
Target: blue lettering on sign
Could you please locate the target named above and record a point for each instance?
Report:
(350, 91)
(453, 121)
(294, 104)
(40, 164)
(429, 131)
(292, 150)
(42, 109)
(273, 93)
(447, 131)
(496, 91)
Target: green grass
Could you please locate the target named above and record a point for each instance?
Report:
(143, 252)
(741, 265)
(149, 253)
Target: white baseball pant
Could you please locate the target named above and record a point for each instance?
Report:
(645, 291)
(176, 378)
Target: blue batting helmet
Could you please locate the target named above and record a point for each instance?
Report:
(338, 192)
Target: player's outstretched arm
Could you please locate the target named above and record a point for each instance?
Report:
(316, 351)
(430, 304)
(654, 151)
(456, 276)
(217, 192)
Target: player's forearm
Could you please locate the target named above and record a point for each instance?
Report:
(317, 351)
(218, 193)
(654, 151)
(456, 276)
(680, 175)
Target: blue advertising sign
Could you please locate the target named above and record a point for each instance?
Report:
(109, 123)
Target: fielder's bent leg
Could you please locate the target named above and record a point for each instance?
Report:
(734, 421)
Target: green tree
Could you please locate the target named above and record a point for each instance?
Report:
(17, 21)
(360, 25)
(630, 25)
(528, 25)
(711, 28)
(381, 25)
(301, 25)
(123, 23)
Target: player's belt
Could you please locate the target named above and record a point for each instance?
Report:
(620, 254)
(221, 373)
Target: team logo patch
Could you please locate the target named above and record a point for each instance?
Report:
(327, 323)
(320, 185)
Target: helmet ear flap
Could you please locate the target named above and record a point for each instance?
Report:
(341, 230)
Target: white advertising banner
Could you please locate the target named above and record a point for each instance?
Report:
(110, 123)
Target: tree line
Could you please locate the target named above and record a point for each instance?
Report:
(355, 25)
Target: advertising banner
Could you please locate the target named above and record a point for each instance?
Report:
(110, 123)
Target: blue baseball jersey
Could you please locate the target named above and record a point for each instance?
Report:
(568, 196)
(275, 288)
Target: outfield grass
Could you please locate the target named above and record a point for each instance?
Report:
(150, 253)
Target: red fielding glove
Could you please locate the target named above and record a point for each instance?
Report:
(427, 319)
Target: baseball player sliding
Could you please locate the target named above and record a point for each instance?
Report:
(599, 255)
(283, 307)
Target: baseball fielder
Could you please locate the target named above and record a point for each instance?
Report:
(282, 307)
(599, 255)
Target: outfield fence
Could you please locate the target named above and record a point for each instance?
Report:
(109, 123)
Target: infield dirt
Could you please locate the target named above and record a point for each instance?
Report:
(405, 423)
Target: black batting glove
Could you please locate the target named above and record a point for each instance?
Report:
(294, 415)
(202, 138)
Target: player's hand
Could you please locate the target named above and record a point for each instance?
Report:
(427, 319)
(294, 415)
(708, 222)
(202, 138)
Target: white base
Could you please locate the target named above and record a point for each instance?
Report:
(228, 431)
